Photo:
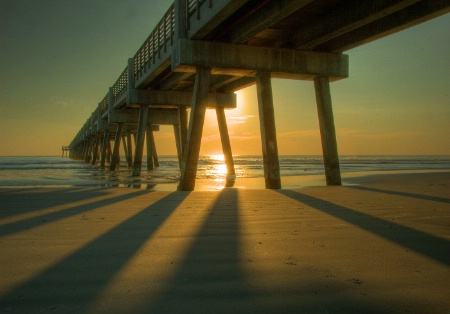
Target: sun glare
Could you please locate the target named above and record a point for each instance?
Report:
(217, 170)
(217, 157)
(221, 169)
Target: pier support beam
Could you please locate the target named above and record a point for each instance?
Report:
(104, 149)
(115, 154)
(155, 153)
(268, 130)
(95, 150)
(85, 150)
(176, 131)
(226, 145)
(180, 131)
(139, 150)
(87, 156)
(150, 147)
(109, 154)
(125, 148)
(129, 149)
(327, 131)
(194, 136)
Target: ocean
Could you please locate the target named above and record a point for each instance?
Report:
(62, 171)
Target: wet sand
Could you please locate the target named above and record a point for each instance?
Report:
(287, 182)
(382, 246)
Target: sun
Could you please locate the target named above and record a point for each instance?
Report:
(217, 157)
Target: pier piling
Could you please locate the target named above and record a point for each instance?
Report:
(142, 128)
(195, 130)
(327, 131)
(226, 145)
(268, 131)
(115, 159)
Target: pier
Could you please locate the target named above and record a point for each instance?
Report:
(65, 150)
(202, 51)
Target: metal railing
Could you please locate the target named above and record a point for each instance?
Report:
(158, 40)
(193, 7)
(95, 115)
(120, 86)
(104, 104)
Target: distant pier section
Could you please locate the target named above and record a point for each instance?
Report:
(202, 51)
(65, 150)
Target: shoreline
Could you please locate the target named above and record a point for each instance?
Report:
(287, 182)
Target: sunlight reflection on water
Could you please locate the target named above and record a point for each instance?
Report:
(212, 171)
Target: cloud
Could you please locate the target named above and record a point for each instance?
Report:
(244, 136)
(210, 138)
(239, 119)
(312, 133)
(62, 102)
(355, 133)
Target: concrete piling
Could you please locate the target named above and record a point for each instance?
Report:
(104, 149)
(129, 149)
(150, 146)
(142, 128)
(115, 159)
(195, 130)
(226, 145)
(95, 149)
(327, 131)
(268, 131)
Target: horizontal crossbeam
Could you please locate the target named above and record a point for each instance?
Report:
(240, 60)
(156, 98)
(155, 116)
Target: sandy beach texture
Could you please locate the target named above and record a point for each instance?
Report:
(379, 247)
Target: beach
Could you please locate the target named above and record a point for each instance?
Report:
(378, 244)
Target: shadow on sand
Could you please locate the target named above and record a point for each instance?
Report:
(47, 218)
(426, 244)
(93, 266)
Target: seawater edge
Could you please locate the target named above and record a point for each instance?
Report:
(296, 171)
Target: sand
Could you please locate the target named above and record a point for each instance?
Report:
(378, 247)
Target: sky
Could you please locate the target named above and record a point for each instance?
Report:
(59, 57)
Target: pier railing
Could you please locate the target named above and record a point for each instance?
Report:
(94, 117)
(157, 45)
(158, 40)
(193, 7)
(120, 86)
(103, 105)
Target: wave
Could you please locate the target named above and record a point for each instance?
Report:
(51, 170)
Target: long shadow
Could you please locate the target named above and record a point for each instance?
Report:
(19, 201)
(413, 195)
(213, 277)
(423, 243)
(210, 280)
(40, 220)
(92, 267)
